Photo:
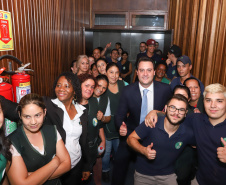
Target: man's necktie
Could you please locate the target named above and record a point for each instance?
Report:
(144, 106)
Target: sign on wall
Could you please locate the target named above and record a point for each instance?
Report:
(6, 34)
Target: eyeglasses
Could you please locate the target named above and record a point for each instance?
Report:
(172, 108)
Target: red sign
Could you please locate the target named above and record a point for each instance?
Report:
(4, 29)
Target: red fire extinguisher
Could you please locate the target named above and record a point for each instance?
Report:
(6, 89)
(20, 81)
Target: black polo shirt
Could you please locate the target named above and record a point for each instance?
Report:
(167, 149)
(208, 138)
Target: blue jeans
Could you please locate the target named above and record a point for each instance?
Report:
(106, 158)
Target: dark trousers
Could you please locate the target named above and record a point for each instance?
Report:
(74, 176)
(122, 159)
(186, 166)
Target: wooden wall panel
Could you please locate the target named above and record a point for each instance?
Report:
(199, 29)
(129, 5)
(47, 33)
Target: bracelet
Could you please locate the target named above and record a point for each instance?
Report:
(104, 119)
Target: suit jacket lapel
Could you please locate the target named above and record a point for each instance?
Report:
(137, 95)
(155, 99)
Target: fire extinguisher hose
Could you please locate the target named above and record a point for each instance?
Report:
(12, 58)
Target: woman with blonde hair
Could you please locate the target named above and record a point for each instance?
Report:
(82, 64)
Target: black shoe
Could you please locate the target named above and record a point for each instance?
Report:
(106, 176)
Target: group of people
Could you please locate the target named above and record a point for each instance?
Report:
(165, 121)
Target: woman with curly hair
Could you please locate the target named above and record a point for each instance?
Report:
(70, 119)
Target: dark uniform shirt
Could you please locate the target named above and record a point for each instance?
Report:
(167, 148)
(208, 138)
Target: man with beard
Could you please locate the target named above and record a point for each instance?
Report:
(160, 146)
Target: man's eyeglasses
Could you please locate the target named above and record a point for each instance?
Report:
(181, 111)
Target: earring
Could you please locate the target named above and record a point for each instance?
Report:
(74, 98)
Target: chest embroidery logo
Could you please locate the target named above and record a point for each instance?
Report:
(178, 145)
(173, 72)
(95, 122)
(222, 143)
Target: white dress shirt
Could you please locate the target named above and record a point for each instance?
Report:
(150, 96)
(73, 130)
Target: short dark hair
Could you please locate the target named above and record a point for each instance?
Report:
(179, 97)
(92, 65)
(97, 49)
(111, 65)
(158, 52)
(121, 49)
(143, 43)
(185, 88)
(114, 50)
(191, 78)
(100, 48)
(161, 63)
(145, 59)
(119, 43)
(74, 81)
(125, 52)
(102, 59)
(72, 63)
(102, 77)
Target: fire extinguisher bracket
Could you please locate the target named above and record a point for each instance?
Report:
(20, 81)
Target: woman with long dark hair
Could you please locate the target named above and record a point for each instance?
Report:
(111, 133)
(5, 154)
(39, 155)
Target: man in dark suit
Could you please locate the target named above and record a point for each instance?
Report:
(131, 102)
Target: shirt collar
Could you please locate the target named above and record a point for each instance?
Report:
(79, 108)
(150, 88)
(160, 125)
(206, 120)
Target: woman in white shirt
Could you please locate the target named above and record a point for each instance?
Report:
(70, 119)
(68, 93)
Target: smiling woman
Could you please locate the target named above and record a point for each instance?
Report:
(98, 114)
(87, 86)
(101, 65)
(111, 133)
(160, 73)
(70, 119)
